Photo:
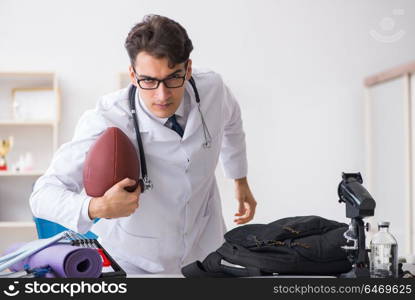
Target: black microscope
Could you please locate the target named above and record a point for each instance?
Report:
(359, 205)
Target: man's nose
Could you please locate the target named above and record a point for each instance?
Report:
(163, 92)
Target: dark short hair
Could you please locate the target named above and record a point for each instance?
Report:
(161, 37)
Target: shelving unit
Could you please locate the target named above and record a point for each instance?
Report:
(123, 79)
(37, 136)
(390, 150)
(22, 173)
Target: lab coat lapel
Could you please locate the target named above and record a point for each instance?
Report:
(156, 130)
(159, 132)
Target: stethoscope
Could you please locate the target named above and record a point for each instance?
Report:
(146, 183)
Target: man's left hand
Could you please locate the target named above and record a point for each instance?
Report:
(247, 203)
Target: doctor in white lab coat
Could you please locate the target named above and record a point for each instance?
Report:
(180, 220)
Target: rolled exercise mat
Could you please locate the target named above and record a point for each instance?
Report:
(65, 260)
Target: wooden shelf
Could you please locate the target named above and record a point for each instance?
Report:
(27, 74)
(22, 173)
(26, 123)
(17, 224)
(390, 74)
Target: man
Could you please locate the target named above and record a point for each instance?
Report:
(180, 220)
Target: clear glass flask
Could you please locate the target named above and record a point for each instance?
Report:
(383, 253)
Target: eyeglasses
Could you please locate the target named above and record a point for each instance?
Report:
(173, 81)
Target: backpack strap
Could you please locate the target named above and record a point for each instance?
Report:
(212, 267)
(208, 268)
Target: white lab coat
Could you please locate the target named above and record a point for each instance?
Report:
(180, 220)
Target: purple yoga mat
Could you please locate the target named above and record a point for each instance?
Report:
(65, 261)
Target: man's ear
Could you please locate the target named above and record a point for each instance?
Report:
(189, 69)
(132, 75)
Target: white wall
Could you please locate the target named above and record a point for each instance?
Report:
(295, 66)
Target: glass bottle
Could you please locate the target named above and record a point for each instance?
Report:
(383, 253)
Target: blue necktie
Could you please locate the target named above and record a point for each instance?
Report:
(175, 125)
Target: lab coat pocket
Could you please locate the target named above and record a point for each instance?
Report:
(207, 207)
(211, 229)
(204, 226)
(200, 237)
(142, 251)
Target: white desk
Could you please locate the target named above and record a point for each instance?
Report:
(155, 276)
(406, 267)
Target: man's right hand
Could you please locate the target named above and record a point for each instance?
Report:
(116, 202)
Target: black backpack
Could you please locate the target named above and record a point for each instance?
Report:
(307, 245)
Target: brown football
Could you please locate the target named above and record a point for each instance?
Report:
(110, 159)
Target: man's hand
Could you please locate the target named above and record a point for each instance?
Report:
(247, 203)
(116, 202)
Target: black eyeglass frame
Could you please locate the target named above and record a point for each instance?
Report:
(162, 80)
